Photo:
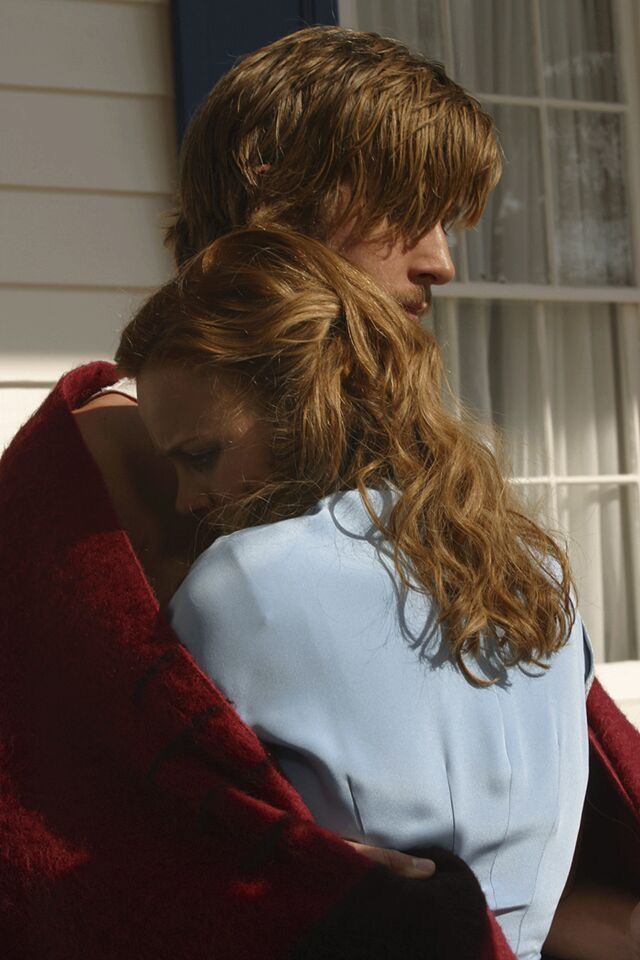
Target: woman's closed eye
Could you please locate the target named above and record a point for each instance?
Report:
(203, 459)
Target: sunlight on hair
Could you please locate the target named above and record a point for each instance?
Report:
(355, 399)
(410, 145)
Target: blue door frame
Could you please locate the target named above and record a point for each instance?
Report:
(209, 35)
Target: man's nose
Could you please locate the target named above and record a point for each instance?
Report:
(430, 259)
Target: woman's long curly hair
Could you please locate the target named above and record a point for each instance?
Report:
(354, 393)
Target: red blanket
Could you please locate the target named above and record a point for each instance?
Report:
(139, 816)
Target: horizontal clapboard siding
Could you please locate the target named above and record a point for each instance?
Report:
(79, 45)
(622, 683)
(87, 175)
(82, 239)
(92, 321)
(81, 142)
(17, 405)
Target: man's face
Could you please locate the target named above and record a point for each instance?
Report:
(406, 270)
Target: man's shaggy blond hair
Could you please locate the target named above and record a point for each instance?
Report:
(326, 113)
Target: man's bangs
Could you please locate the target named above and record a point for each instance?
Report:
(458, 163)
(439, 171)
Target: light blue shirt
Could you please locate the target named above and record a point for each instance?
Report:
(348, 679)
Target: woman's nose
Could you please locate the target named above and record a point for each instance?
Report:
(190, 498)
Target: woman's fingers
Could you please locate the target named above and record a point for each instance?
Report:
(401, 863)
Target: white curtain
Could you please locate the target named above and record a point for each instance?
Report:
(561, 380)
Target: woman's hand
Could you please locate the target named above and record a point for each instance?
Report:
(401, 863)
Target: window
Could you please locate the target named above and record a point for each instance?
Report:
(541, 330)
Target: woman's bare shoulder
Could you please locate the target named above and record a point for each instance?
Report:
(117, 439)
(141, 486)
(109, 423)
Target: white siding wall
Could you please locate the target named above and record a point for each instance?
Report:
(87, 170)
(622, 682)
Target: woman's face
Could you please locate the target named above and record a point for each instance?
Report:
(211, 428)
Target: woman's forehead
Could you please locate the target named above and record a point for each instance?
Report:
(179, 404)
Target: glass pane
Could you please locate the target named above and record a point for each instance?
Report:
(509, 244)
(492, 44)
(415, 22)
(584, 342)
(593, 243)
(579, 50)
(429, 34)
(596, 520)
(492, 363)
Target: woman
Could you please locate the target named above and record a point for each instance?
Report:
(371, 552)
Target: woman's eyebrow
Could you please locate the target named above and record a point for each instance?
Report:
(205, 443)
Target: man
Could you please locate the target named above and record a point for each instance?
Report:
(352, 139)
(347, 137)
